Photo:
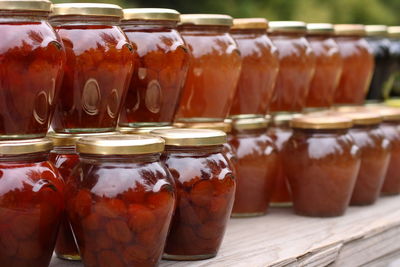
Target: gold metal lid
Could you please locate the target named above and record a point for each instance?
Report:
(250, 23)
(64, 139)
(394, 31)
(387, 113)
(225, 126)
(320, 29)
(321, 122)
(282, 118)
(363, 118)
(191, 137)
(17, 147)
(151, 14)
(206, 19)
(30, 5)
(120, 145)
(141, 130)
(87, 9)
(287, 26)
(250, 124)
(376, 30)
(349, 29)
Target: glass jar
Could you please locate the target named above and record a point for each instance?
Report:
(205, 192)
(296, 65)
(141, 130)
(260, 66)
(161, 63)
(328, 66)
(31, 62)
(121, 200)
(280, 132)
(358, 64)
(214, 71)
(392, 88)
(256, 166)
(380, 45)
(31, 203)
(98, 68)
(322, 164)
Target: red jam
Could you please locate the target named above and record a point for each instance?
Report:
(97, 72)
(31, 61)
(296, 66)
(121, 202)
(31, 204)
(161, 62)
(214, 68)
(259, 67)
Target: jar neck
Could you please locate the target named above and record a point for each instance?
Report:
(21, 15)
(249, 131)
(25, 158)
(148, 24)
(365, 127)
(248, 32)
(121, 158)
(201, 29)
(64, 150)
(323, 131)
(287, 34)
(391, 123)
(198, 150)
(84, 20)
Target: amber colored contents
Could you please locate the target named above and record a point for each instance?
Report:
(120, 209)
(161, 62)
(328, 67)
(213, 74)
(296, 69)
(391, 186)
(322, 167)
(205, 190)
(281, 194)
(357, 68)
(65, 160)
(375, 157)
(260, 67)
(256, 170)
(96, 75)
(31, 205)
(31, 61)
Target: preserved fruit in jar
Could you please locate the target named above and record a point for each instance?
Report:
(161, 63)
(259, 66)
(98, 67)
(121, 200)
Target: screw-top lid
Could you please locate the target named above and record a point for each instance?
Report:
(191, 137)
(394, 31)
(250, 23)
(250, 124)
(120, 145)
(376, 30)
(387, 113)
(225, 126)
(67, 139)
(320, 29)
(206, 19)
(87, 9)
(142, 130)
(363, 117)
(17, 147)
(322, 122)
(349, 29)
(151, 14)
(28, 5)
(287, 27)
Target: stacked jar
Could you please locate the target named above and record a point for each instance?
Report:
(392, 89)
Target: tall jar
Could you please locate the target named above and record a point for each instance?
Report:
(161, 63)
(120, 200)
(380, 45)
(214, 70)
(31, 203)
(205, 192)
(256, 166)
(31, 67)
(328, 65)
(358, 64)
(296, 65)
(392, 88)
(98, 68)
(260, 67)
(322, 164)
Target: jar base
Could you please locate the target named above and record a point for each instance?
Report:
(144, 124)
(246, 215)
(200, 120)
(281, 204)
(84, 130)
(21, 136)
(69, 257)
(389, 194)
(167, 256)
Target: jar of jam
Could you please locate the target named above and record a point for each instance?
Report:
(328, 66)
(256, 166)
(141, 130)
(98, 68)
(358, 64)
(380, 45)
(322, 164)
(31, 203)
(280, 132)
(31, 62)
(392, 88)
(296, 65)
(121, 200)
(214, 70)
(259, 66)
(205, 192)
(161, 63)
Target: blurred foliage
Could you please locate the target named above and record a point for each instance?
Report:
(336, 11)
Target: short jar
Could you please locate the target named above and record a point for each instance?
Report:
(120, 200)
(322, 164)
(31, 203)
(205, 192)
(98, 67)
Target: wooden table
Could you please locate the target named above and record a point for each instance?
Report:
(367, 236)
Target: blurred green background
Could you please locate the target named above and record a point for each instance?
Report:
(335, 11)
